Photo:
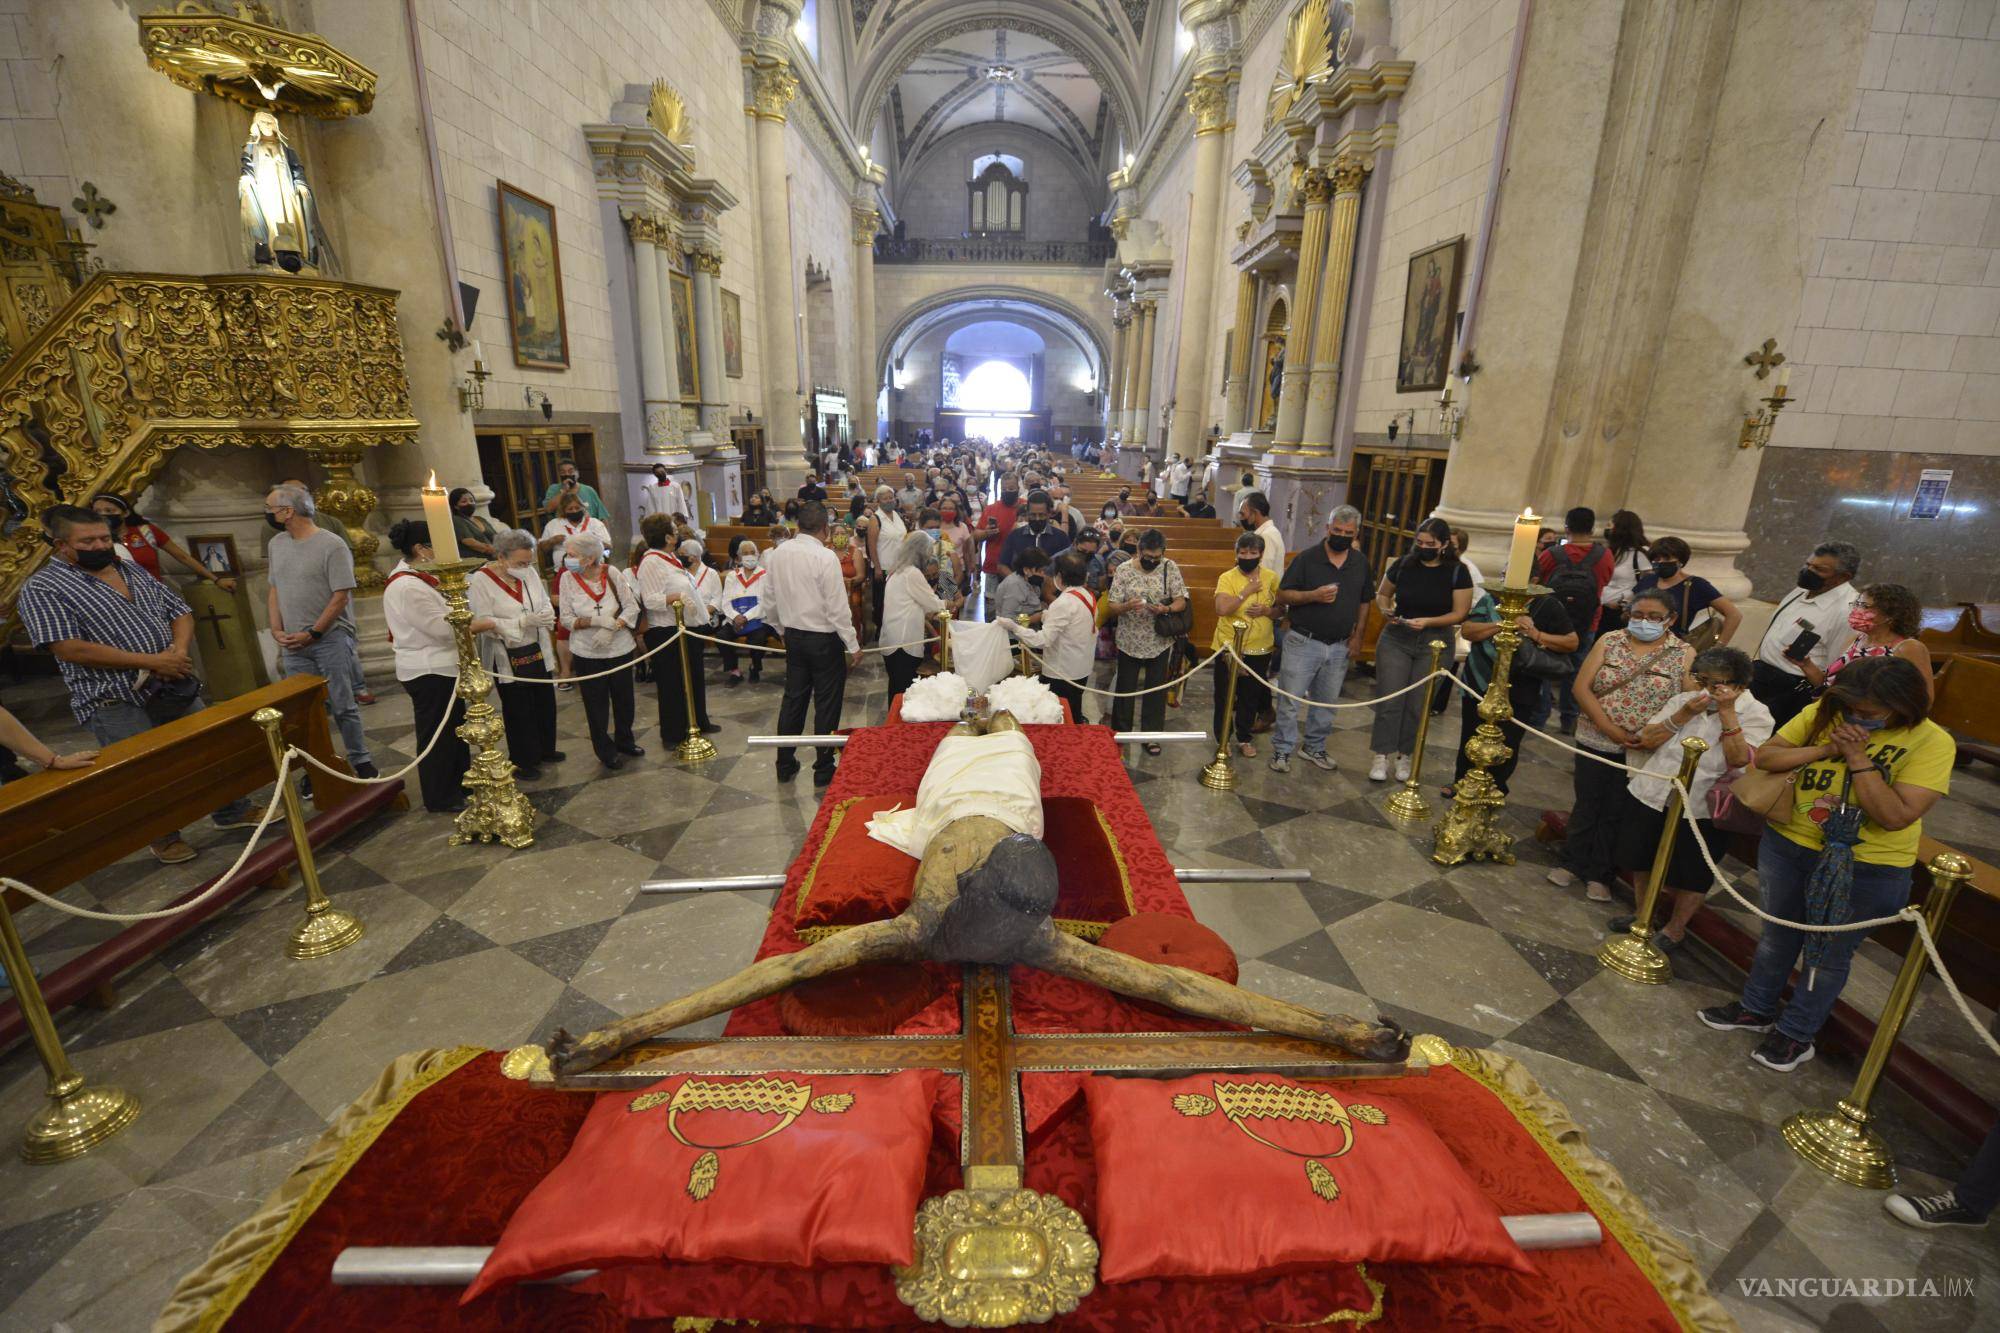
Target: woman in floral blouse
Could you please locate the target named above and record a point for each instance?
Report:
(1140, 591)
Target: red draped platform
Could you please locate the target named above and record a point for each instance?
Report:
(443, 1156)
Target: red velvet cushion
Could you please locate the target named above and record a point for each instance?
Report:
(872, 1000)
(1171, 941)
(1184, 1190)
(855, 879)
(829, 1172)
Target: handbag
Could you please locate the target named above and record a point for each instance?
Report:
(1531, 659)
(1754, 792)
(1172, 624)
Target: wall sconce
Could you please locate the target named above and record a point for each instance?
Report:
(472, 389)
(1757, 426)
(1450, 419)
(532, 396)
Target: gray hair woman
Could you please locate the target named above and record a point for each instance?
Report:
(599, 608)
(908, 602)
(506, 590)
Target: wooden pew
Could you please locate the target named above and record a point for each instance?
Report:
(1968, 705)
(1958, 631)
(56, 828)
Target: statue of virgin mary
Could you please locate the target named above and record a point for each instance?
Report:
(275, 201)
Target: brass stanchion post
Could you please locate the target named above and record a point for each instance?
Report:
(944, 640)
(694, 748)
(326, 929)
(1221, 771)
(1409, 804)
(1027, 658)
(494, 806)
(1470, 830)
(1840, 1142)
(75, 1118)
(1633, 955)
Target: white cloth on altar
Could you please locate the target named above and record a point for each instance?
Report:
(981, 652)
(996, 775)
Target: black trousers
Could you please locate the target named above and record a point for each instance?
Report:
(441, 775)
(880, 582)
(1590, 849)
(529, 714)
(759, 636)
(1137, 673)
(902, 669)
(1510, 731)
(607, 700)
(1251, 696)
(816, 673)
(1069, 691)
(667, 679)
(1783, 693)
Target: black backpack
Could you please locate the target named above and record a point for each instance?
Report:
(1574, 584)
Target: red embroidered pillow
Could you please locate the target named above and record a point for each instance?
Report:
(1232, 1175)
(855, 879)
(782, 1169)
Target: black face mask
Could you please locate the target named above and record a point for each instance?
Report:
(1008, 497)
(1337, 543)
(1431, 555)
(276, 523)
(1038, 525)
(1811, 580)
(1249, 566)
(577, 517)
(95, 560)
(134, 521)
(1035, 579)
(1149, 562)
(1247, 524)
(1666, 569)
(465, 509)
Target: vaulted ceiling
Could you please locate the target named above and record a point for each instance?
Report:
(994, 74)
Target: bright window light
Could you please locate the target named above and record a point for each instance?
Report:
(995, 386)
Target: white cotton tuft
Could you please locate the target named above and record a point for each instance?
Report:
(939, 698)
(1027, 699)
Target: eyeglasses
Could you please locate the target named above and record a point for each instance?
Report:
(1659, 618)
(1715, 684)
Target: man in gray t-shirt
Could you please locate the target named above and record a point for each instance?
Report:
(311, 586)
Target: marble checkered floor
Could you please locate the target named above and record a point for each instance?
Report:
(241, 1056)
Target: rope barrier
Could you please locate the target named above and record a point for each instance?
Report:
(1133, 694)
(595, 675)
(380, 778)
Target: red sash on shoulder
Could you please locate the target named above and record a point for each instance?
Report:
(1083, 595)
(408, 574)
(503, 584)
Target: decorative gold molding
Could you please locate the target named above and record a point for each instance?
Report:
(997, 1257)
(772, 88)
(667, 112)
(1315, 186)
(707, 260)
(867, 222)
(1347, 174)
(258, 65)
(1208, 103)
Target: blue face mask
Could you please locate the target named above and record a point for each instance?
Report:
(1870, 723)
(1645, 631)
(571, 563)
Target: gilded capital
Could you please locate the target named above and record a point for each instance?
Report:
(1348, 173)
(866, 223)
(644, 228)
(1120, 225)
(1208, 103)
(707, 261)
(772, 88)
(1315, 186)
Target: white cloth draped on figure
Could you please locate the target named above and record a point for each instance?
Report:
(996, 775)
(981, 652)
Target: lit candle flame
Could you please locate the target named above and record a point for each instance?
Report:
(432, 484)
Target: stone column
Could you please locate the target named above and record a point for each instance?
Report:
(667, 262)
(1142, 410)
(1128, 398)
(1237, 388)
(772, 87)
(1114, 371)
(708, 339)
(1298, 343)
(656, 382)
(1208, 103)
(866, 223)
(1330, 321)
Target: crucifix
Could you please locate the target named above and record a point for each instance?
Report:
(93, 206)
(214, 619)
(1766, 358)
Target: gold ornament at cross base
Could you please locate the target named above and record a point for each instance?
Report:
(1470, 830)
(257, 64)
(495, 810)
(994, 1254)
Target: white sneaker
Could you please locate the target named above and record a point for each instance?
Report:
(1402, 768)
(1561, 878)
(1378, 769)
(1596, 892)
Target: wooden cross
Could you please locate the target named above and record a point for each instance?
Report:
(93, 206)
(1766, 358)
(213, 619)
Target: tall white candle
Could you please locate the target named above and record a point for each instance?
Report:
(437, 516)
(1521, 555)
(478, 356)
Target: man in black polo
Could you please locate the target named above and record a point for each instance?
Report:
(1036, 530)
(1324, 592)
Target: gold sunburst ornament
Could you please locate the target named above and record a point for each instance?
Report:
(667, 111)
(1307, 58)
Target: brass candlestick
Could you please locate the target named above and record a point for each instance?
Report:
(326, 929)
(1409, 804)
(1840, 1142)
(944, 640)
(1470, 830)
(1757, 427)
(1221, 771)
(1633, 955)
(75, 1118)
(1027, 658)
(494, 808)
(694, 748)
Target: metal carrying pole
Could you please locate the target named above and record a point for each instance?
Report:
(694, 748)
(1840, 1142)
(1027, 658)
(1409, 804)
(1220, 775)
(75, 1118)
(944, 640)
(1633, 955)
(326, 929)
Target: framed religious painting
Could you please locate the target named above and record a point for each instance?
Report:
(686, 360)
(216, 553)
(732, 334)
(1430, 306)
(533, 264)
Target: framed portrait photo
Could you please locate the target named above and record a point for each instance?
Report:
(1430, 309)
(216, 553)
(533, 262)
(732, 334)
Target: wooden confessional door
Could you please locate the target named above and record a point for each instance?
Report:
(1395, 489)
(520, 466)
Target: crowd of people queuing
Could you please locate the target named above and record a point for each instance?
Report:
(1626, 650)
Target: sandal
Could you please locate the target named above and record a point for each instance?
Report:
(1247, 750)
(1151, 748)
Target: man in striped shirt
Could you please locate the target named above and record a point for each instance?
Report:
(121, 638)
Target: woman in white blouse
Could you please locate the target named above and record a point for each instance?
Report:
(427, 665)
(908, 603)
(666, 578)
(598, 608)
(706, 581)
(741, 607)
(506, 591)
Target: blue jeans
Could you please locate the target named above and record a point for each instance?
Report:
(1315, 671)
(333, 657)
(1555, 696)
(122, 721)
(1783, 867)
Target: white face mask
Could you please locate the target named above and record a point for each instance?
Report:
(751, 561)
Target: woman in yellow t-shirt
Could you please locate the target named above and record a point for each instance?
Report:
(1248, 592)
(1868, 745)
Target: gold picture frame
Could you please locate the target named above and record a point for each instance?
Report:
(532, 261)
(732, 334)
(1430, 310)
(687, 356)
